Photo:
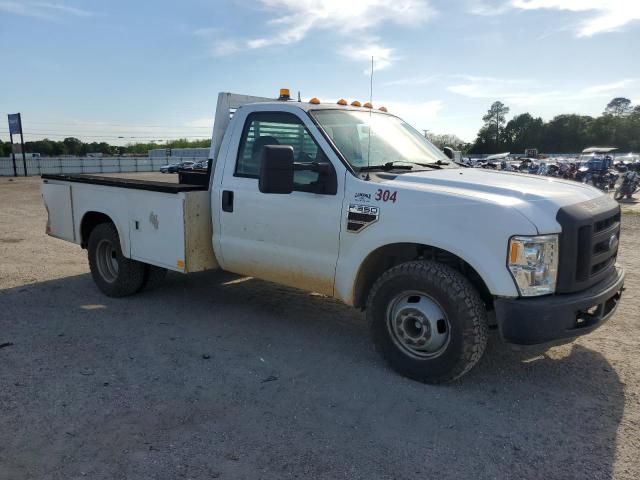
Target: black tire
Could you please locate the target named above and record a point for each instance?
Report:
(115, 275)
(461, 304)
(153, 277)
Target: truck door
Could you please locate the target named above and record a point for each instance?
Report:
(290, 239)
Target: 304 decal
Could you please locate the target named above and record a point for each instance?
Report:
(386, 195)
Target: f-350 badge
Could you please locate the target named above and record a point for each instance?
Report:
(361, 216)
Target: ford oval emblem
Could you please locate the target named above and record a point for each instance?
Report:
(613, 242)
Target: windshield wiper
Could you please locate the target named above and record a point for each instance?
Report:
(437, 164)
(385, 167)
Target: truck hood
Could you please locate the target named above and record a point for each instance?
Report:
(536, 197)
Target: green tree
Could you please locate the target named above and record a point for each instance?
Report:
(567, 133)
(618, 107)
(494, 121)
(523, 131)
(73, 146)
(5, 149)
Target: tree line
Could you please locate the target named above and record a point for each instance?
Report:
(618, 126)
(74, 146)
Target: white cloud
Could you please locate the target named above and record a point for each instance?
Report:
(514, 90)
(206, 32)
(77, 12)
(609, 87)
(420, 80)
(224, 47)
(418, 114)
(23, 9)
(484, 9)
(606, 15)
(382, 56)
(527, 93)
(294, 20)
(43, 10)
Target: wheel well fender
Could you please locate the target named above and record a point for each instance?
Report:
(91, 220)
(385, 257)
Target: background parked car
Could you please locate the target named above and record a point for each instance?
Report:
(174, 167)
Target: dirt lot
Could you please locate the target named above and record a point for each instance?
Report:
(215, 376)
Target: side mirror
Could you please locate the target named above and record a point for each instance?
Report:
(276, 169)
(448, 151)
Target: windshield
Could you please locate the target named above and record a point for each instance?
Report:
(392, 140)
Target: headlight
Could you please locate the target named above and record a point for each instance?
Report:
(533, 262)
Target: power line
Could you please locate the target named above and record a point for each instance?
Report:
(125, 136)
(79, 124)
(98, 133)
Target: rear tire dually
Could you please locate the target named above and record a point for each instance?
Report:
(114, 274)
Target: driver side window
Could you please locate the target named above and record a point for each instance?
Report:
(278, 128)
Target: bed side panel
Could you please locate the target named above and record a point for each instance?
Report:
(57, 201)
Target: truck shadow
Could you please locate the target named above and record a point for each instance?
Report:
(267, 365)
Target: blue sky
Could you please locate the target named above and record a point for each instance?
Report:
(148, 69)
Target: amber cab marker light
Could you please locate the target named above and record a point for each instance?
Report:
(314, 101)
(284, 94)
(342, 101)
(356, 103)
(367, 105)
(383, 109)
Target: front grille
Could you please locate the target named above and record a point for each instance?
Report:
(588, 243)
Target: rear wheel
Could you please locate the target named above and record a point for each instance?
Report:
(115, 275)
(427, 321)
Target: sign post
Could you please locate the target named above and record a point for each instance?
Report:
(15, 126)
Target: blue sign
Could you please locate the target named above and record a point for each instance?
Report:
(15, 124)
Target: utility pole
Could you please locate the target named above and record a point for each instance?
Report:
(13, 156)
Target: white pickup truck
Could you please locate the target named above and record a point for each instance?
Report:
(353, 203)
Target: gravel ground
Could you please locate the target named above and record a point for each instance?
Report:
(218, 376)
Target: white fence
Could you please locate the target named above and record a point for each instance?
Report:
(59, 165)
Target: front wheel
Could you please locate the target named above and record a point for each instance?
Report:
(114, 274)
(427, 321)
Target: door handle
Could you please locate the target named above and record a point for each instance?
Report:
(227, 201)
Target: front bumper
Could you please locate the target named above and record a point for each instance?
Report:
(529, 321)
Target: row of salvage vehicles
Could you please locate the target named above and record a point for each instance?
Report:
(595, 166)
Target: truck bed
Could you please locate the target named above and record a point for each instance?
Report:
(166, 224)
(135, 184)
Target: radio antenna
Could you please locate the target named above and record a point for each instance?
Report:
(370, 113)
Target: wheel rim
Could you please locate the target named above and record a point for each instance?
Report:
(107, 260)
(418, 325)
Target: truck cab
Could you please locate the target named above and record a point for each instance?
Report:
(352, 202)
